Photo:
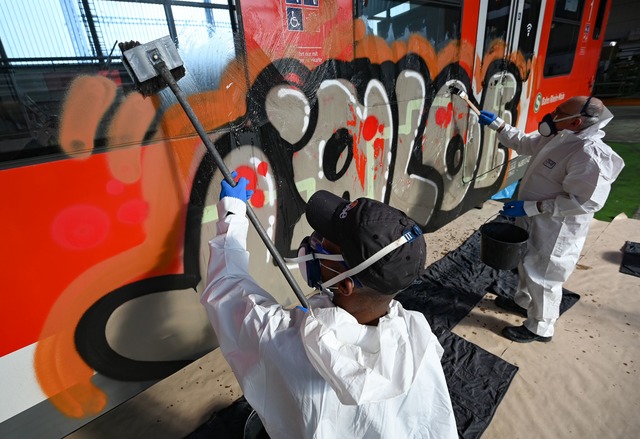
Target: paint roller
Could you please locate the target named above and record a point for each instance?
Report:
(458, 91)
(153, 67)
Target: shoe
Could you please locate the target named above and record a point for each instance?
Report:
(520, 334)
(509, 305)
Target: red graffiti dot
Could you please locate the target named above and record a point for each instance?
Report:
(292, 78)
(352, 122)
(381, 128)
(378, 147)
(249, 174)
(444, 115)
(370, 128)
(80, 227)
(115, 187)
(257, 199)
(263, 167)
(133, 212)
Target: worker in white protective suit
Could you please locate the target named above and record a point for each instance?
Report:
(568, 179)
(355, 365)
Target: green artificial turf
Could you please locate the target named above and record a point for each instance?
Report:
(625, 193)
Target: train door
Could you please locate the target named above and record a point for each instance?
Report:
(571, 44)
(507, 41)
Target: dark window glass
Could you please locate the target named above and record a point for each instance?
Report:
(529, 28)
(497, 22)
(437, 21)
(597, 27)
(563, 38)
(46, 44)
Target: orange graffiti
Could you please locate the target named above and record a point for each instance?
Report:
(421, 46)
(399, 50)
(128, 128)
(87, 100)
(374, 48)
(63, 375)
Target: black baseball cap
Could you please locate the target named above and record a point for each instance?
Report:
(361, 228)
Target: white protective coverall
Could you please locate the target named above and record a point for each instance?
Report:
(571, 174)
(325, 376)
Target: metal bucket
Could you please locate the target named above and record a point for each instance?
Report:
(502, 245)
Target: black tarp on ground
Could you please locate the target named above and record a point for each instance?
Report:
(631, 259)
(446, 293)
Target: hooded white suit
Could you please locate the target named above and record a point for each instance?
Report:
(322, 375)
(571, 175)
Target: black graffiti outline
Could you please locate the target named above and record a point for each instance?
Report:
(90, 334)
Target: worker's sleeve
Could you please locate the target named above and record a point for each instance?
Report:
(585, 189)
(239, 310)
(525, 144)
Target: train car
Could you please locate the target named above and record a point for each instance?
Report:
(109, 197)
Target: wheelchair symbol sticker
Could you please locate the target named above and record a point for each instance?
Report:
(294, 19)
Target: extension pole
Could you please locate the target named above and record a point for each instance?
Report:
(162, 69)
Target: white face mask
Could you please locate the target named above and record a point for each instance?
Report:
(547, 127)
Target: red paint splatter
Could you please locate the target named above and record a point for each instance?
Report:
(80, 227)
(360, 161)
(258, 197)
(370, 128)
(444, 115)
(378, 147)
(354, 119)
(381, 128)
(133, 212)
(293, 78)
(263, 167)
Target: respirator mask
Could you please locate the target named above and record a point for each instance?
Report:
(547, 127)
(310, 255)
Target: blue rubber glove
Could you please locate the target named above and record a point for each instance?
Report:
(238, 191)
(513, 209)
(489, 119)
(486, 117)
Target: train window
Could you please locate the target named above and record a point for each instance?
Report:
(563, 38)
(44, 47)
(529, 29)
(497, 23)
(597, 26)
(438, 21)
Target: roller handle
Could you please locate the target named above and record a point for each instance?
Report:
(167, 76)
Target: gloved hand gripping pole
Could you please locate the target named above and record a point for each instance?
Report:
(160, 57)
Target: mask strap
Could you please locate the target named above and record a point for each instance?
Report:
(583, 110)
(573, 116)
(314, 255)
(408, 236)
